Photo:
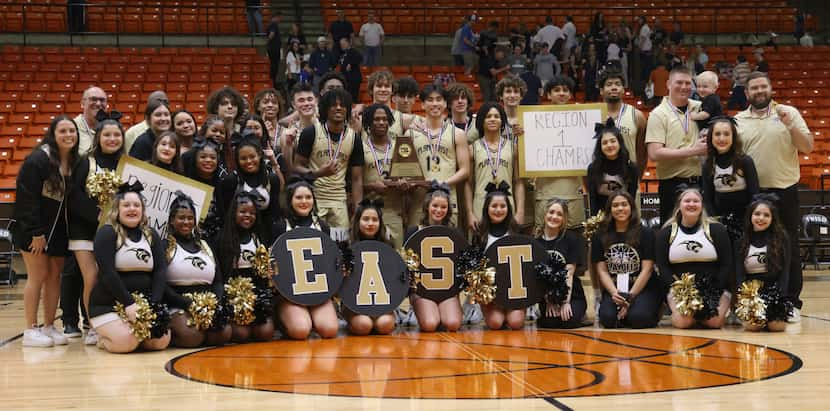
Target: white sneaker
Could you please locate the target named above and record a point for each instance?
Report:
(472, 313)
(57, 337)
(400, 315)
(794, 316)
(34, 337)
(91, 338)
(532, 312)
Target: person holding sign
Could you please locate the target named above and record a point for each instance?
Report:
(494, 158)
(107, 149)
(325, 151)
(441, 148)
(297, 321)
(252, 175)
(436, 211)
(673, 141)
(191, 268)
(690, 243)
(130, 259)
(238, 244)
(496, 222)
(367, 224)
(612, 169)
(565, 247)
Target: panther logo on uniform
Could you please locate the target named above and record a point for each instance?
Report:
(726, 179)
(613, 185)
(247, 255)
(140, 254)
(761, 256)
(692, 245)
(197, 262)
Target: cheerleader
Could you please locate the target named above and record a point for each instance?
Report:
(729, 176)
(238, 243)
(157, 115)
(130, 259)
(202, 165)
(297, 321)
(436, 211)
(107, 149)
(611, 169)
(367, 224)
(690, 243)
(166, 152)
(252, 175)
(565, 247)
(623, 251)
(40, 231)
(763, 254)
(496, 222)
(191, 268)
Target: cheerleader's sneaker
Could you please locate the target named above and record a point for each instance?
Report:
(91, 337)
(532, 313)
(794, 316)
(34, 337)
(472, 313)
(57, 337)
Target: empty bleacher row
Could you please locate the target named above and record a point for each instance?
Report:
(37, 84)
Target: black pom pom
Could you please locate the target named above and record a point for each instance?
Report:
(162, 322)
(777, 306)
(555, 275)
(710, 294)
(468, 260)
(347, 262)
(263, 306)
(222, 316)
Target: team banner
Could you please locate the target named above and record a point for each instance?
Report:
(379, 280)
(308, 266)
(160, 187)
(514, 258)
(558, 140)
(437, 248)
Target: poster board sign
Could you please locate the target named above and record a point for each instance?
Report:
(558, 141)
(160, 187)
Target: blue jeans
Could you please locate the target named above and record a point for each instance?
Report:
(255, 20)
(371, 56)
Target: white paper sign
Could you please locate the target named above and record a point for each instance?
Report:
(159, 190)
(558, 140)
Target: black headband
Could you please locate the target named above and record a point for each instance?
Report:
(376, 204)
(436, 186)
(131, 186)
(501, 187)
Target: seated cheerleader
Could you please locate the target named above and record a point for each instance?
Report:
(691, 243)
(297, 321)
(431, 315)
(367, 224)
(565, 247)
(764, 236)
(130, 259)
(238, 243)
(191, 268)
(496, 222)
(623, 251)
(166, 152)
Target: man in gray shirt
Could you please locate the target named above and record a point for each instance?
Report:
(546, 64)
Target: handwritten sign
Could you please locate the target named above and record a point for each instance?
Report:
(558, 140)
(159, 190)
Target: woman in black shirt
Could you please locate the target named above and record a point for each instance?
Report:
(166, 152)
(623, 251)
(201, 163)
(612, 169)
(157, 115)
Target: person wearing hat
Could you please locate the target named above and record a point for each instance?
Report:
(322, 60)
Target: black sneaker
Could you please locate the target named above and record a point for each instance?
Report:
(71, 331)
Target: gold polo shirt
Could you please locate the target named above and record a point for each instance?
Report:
(665, 126)
(766, 139)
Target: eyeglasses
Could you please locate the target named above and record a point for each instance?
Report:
(97, 99)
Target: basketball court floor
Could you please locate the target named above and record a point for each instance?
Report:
(587, 368)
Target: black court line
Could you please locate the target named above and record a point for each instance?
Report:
(558, 404)
(10, 340)
(815, 318)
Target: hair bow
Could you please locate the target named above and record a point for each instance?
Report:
(436, 186)
(723, 118)
(247, 137)
(501, 187)
(131, 186)
(204, 142)
(102, 115)
(768, 197)
(252, 196)
(376, 204)
(681, 188)
(182, 200)
(600, 128)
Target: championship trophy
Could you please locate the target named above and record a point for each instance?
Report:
(405, 162)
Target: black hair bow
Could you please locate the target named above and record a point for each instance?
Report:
(102, 115)
(436, 186)
(204, 142)
(131, 186)
(182, 200)
(600, 128)
(722, 118)
(768, 197)
(501, 187)
(376, 204)
(252, 196)
(681, 188)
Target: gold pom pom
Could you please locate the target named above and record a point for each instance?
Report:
(240, 291)
(750, 307)
(592, 224)
(686, 295)
(202, 309)
(144, 316)
(481, 283)
(102, 187)
(413, 264)
(262, 262)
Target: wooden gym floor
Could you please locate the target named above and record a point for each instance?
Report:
(588, 368)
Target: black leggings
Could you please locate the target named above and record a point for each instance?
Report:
(644, 312)
(578, 308)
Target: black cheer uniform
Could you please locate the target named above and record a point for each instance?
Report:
(132, 266)
(266, 185)
(727, 194)
(612, 180)
(39, 208)
(568, 249)
(623, 258)
(191, 268)
(755, 266)
(85, 212)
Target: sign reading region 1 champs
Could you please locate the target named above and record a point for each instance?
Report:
(160, 187)
(558, 140)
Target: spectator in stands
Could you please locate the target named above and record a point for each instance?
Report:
(253, 9)
(590, 68)
(599, 32)
(545, 65)
(673, 140)
(517, 62)
(322, 60)
(645, 45)
(340, 29)
(76, 15)
(405, 93)
(297, 35)
(677, 35)
(613, 52)
(550, 35)
(93, 100)
(293, 63)
(488, 38)
(760, 63)
(371, 33)
(569, 31)
(534, 87)
(806, 40)
(456, 51)
(773, 134)
(799, 20)
(659, 33)
(490, 67)
(468, 45)
(625, 42)
(739, 74)
(350, 60)
(139, 128)
(658, 79)
(273, 46)
(157, 115)
(702, 57)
